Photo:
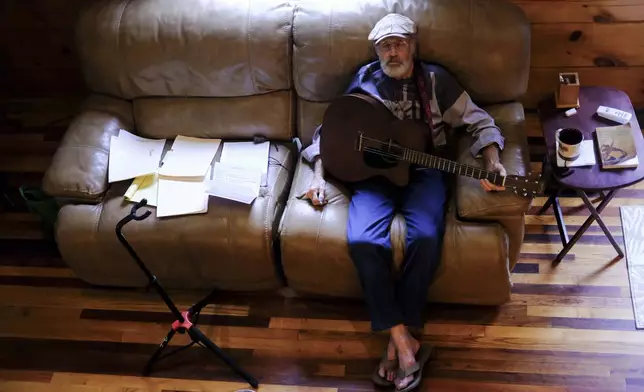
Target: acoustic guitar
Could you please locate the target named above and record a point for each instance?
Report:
(361, 138)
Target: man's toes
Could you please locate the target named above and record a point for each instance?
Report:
(402, 383)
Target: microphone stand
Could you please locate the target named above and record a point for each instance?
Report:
(183, 320)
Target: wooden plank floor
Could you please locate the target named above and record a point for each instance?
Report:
(565, 329)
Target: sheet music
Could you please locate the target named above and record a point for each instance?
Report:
(131, 156)
(189, 157)
(247, 154)
(235, 183)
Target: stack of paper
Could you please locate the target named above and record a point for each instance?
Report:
(240, 172)
(144, 187)
(247, 155)
(182, 196)
(133, 156)
(185, 180)
(183, 176)
(178, 186)
(189, 157)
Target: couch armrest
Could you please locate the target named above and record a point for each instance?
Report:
(78, 170)
(471, 200)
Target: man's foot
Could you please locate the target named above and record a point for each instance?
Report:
(385, 370)
(407, 348)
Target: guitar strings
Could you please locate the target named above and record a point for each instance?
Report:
(401, 149)
(375, 142)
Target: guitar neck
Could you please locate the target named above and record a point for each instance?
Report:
(435, 162)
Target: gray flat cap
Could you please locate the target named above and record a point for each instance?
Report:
(392, 25)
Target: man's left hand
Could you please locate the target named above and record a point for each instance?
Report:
(493, 164)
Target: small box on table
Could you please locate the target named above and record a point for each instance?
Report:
(567, 92)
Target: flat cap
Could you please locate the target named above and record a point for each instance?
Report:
(392, 25)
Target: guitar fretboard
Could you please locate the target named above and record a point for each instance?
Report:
(446, 165)
(427, 160)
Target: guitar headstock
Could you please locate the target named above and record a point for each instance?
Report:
(529, 186)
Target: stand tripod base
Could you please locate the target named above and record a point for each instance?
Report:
(197, 338)
(184, 322)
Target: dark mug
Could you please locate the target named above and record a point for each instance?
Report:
(569, 140)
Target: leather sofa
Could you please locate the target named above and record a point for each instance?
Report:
(218, 69)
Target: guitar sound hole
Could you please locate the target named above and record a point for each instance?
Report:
(381, 157)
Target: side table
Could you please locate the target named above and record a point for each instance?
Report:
(587, 179)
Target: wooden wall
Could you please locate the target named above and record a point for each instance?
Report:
(603, 40)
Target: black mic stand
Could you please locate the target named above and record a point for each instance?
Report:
(183, 323)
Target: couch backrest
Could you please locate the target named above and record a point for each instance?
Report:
(485, 44)
(215, 68)
(234, 69)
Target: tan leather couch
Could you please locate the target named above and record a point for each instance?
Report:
(217, 69)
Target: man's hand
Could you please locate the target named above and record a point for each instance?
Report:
(316, 192)
(493, 164)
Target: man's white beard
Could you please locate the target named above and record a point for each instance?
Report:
(397, 70)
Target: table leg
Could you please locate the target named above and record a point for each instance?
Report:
(561, 224)
(600, 221)
(594, 215)
(547, 204)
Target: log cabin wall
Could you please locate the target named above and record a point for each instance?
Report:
(600, 39)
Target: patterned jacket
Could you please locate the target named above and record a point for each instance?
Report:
(451, 105)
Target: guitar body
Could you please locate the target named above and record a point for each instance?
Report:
(361, 138)
(354, 114)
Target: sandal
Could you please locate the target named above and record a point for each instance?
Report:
(390, 365)
(423, 354)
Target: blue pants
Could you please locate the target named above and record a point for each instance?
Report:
(371, 212)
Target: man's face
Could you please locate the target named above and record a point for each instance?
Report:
(396, 56)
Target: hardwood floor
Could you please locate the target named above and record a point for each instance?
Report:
(565, 329)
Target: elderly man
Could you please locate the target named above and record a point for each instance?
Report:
(397, 306)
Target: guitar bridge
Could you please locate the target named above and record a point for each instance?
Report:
(359, 142)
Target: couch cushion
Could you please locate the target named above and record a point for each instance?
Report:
(269, 115)
(486, 44)
(475, 203)
(316, 261)
(230, 247)
(186, 48)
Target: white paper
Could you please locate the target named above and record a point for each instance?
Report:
(181, 196)
(235, 183)
(130, 158)
(586, 155)
(125, 135)
(189, 157)
(144, 187)
(247, 154)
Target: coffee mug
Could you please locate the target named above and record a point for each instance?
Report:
(569, 140)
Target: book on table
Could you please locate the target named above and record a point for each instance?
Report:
(617, 148)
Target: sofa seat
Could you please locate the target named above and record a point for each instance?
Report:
(316, 260)
(230, 247)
